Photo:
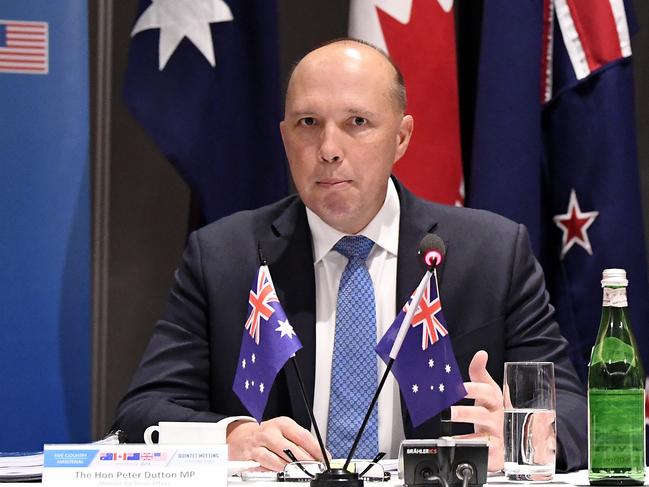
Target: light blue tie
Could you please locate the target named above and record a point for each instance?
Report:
(354, 368)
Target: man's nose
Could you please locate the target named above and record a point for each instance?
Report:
(330, 149)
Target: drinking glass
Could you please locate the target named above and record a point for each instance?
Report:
(530, 421)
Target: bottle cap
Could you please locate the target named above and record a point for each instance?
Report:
(614, 277)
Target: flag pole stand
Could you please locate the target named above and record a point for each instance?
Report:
(337, 477)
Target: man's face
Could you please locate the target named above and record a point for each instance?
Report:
(343, 131)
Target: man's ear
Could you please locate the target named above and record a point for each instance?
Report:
(403, 136)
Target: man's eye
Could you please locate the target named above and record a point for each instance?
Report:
(359, 121)
(308, 121)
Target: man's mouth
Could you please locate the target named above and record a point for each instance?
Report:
(333, 182)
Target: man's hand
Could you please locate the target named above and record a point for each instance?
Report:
(265, 442)
(487, 412)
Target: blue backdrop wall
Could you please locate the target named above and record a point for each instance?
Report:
(45, 309)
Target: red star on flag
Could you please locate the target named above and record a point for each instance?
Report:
(574, 223)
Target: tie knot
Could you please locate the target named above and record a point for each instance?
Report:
(354, 247)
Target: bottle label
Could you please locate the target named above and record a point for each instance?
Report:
(616, 430)
(615, 297)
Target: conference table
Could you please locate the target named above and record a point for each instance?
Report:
(579, 478)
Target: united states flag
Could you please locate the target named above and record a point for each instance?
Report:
(24, 47)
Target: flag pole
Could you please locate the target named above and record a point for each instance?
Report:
(310, 411)
(403, 329)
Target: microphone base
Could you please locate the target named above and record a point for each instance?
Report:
(336, 477)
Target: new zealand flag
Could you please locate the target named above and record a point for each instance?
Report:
(425, 366)
(268, 342)
(555, 149)
(203, 79)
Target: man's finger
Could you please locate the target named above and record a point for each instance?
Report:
(478, 369)
(300, 453)
(268, 459)
(304, 439)
(485, 395)
(277, 444)
(473, 436)
(477, 415)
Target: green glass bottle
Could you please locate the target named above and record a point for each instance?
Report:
(616, 430)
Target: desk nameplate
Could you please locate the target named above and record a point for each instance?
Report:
(135, 465)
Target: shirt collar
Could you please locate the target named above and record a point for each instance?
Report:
(383, 229)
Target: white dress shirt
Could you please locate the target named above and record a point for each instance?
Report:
(382, 266)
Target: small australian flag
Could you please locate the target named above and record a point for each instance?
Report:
(425, 367)
(268, 342)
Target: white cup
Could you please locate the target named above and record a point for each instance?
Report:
(183, 433)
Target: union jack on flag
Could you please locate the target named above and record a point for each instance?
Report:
(429, 314)
(268, 342)
(259, 300)
(425, 366)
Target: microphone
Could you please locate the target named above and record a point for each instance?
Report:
(432, 251)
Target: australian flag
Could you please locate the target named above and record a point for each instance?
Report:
(555, 149)
(203, 80)
(425, 367)
(268, 342)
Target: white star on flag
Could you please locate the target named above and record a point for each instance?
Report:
(177, 19)
(574, 223)
(243, 363)
(247, 384)
(441, 388)
(431, 363)
(447, 369)
(285, 328)
(261, 387)
(253, 358)
(415, 388)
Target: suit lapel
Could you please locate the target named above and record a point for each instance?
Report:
(288, 251)
(415, 222)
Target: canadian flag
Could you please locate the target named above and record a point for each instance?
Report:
(419, 35)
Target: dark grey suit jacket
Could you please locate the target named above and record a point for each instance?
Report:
(491, 287)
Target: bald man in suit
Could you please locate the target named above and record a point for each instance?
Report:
(344, 128)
